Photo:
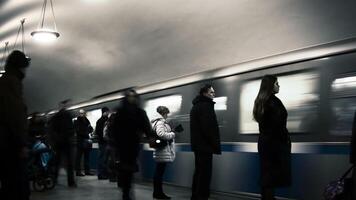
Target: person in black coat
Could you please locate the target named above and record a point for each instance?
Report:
(353, 155)
(62, 132)
(103, 154)
(129, 125)
(13, 130)
(274, 145)
(83, 129)
(205, 141)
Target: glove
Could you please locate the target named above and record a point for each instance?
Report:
(179, 128)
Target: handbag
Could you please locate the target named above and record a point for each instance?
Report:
(339, 189)
(155, 141)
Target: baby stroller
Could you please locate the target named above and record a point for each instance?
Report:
(41, 166)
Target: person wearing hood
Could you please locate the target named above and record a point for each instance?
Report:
(165, 154)
(13, 129)
(205, 141)
(128, 127)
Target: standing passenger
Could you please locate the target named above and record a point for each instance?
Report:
(129, 125)
(13, 130)
(274, 145)
(83, 129)
(205, 141)
(62, 133)
(353, 157)
(99, 132)
(165, 154)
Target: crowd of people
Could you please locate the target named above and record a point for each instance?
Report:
(119, 133)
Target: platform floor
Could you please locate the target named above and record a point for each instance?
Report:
(89, 188)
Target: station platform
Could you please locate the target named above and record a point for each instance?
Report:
(90, 188)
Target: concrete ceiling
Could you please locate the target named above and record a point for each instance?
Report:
(106, 45)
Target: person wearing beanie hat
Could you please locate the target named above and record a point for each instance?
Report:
(13, 129)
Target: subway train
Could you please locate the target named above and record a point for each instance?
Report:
(318, 88)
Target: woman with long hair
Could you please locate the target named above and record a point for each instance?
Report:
(274, 145)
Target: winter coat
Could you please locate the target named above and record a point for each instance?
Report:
(204, 128)
(353, 142)
(274, 145)
(164, 132)
(13, 114)
(82, 128)
(99, 129)
(129, 125)
(62, 127)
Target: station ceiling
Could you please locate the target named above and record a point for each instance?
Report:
(107, 45)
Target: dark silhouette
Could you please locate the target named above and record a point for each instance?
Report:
(130, 123)
(205, 141)
(36, 128)
(353, 156)
(13, 130)
(103, 153)
(274, 145)
(62, 133)
(84, 144)
(165, 154)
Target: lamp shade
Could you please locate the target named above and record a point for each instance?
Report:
(44, 35)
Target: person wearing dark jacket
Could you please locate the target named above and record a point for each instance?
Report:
(61, 133)
(353, 156)
(274, 145)
(103, 153)
(129, 125)
(205, 141)
(83, 129)
(13, 130)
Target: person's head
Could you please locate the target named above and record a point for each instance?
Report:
(163, 110)
(269, 86)
(82, 113)
(105, 111)
(207, 91)
(131, 97)
(16, 63)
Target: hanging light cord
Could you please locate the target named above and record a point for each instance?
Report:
(43, 15)
(54, 18)
(22, 29)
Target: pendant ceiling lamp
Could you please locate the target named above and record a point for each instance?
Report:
(46, 34)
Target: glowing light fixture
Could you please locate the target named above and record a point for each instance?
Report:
(45, 34)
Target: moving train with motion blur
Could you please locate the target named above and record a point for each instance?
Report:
(318, 88)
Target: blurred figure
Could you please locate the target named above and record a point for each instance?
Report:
(99, 132)
(110, 147)
(165, 154)
(13, 130)
(62, 133)
(84, 144)
(353, 157)
(205, 141)
(129, 125)
(274, 145)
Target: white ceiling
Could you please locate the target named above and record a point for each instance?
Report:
(106, 45)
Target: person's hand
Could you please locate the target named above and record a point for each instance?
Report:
(179, 128)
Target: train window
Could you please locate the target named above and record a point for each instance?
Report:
(343, 104)
(298, 92)
(172, 102)
(93, 116)
(220, 103)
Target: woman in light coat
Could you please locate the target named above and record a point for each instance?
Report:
(165, 154)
